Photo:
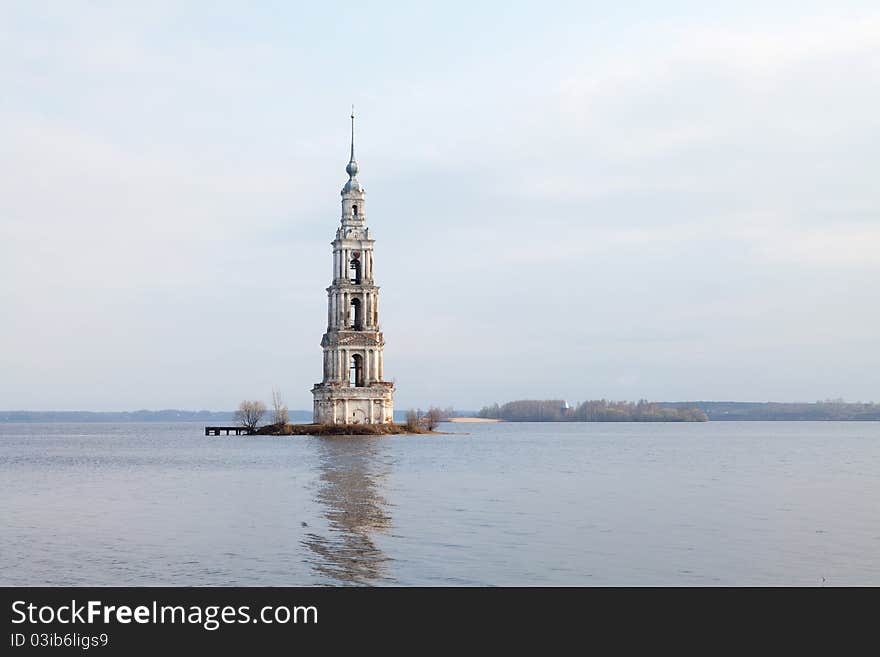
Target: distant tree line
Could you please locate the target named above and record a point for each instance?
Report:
(597, 410)
(829, 409)
(165, 415)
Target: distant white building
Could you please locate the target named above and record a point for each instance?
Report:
(353, 390)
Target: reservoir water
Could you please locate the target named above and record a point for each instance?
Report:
(719, 503)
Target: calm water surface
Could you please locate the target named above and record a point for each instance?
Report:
(556, 504)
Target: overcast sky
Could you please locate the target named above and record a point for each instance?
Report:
(570, 200)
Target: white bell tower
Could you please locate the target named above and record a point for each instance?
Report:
(353, 390)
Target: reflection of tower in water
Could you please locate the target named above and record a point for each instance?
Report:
(352, 470)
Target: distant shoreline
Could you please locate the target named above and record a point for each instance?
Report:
(603, 410)
(831, 411)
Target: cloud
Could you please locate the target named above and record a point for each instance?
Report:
(670, 207)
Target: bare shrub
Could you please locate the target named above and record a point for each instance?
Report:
(433, 418)
(280, 414)
(412, 420)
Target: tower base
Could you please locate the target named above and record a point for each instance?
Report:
(336, 404)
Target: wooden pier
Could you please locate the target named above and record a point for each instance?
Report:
(215, 431)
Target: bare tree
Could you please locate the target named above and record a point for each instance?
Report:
(280, 414)
(249, 414)
(433, 418)
(412, 420)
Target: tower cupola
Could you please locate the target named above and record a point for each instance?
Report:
(353, 185)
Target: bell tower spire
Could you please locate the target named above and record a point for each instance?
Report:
(353, 390)
(352, 167)
(352, 134)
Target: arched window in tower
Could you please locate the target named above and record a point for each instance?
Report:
(356, 371)
(354, 209)
(355, 269)
(355, 317)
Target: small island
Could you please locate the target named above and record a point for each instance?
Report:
(388, 429)
(250, 414)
